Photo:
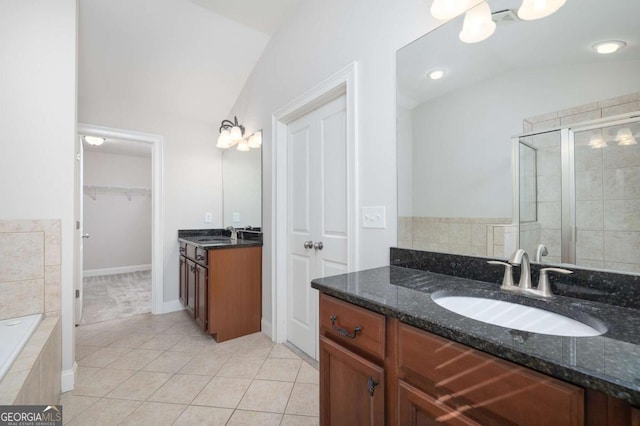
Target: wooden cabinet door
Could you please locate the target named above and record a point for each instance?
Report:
(416, 408)
(235, 292)
(202, 290)
(182, 279)
(191, 286)
(351, 388)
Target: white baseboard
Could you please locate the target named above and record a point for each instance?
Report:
(265, 326)
(68, 378)
(172, 306)
(117, 270)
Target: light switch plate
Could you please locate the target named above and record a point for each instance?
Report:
(236, 217)
(374, 217)
(208, 217)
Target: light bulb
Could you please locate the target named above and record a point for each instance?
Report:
(243, 146)
(224, 140)
(255, 140)
(436, 74)
(94, 140)
(606, 47)
(448, 9)
(596, 141)
(477, 25)
(536, 9)
(236, 134)
(625, 137)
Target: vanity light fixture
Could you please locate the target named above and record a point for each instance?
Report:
(624, 137)
(255, 140)
(448, 9)
(231, 133)
(536, 9)
(596, 141)
(610, 46)
(477, 24)
(435, 74)
(94, 140)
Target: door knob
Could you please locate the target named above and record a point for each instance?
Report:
(308, 244)
(85, 236)
(318, 245)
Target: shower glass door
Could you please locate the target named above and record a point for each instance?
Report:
(540, 194)
(607, 195)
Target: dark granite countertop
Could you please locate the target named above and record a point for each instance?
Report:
(609, 363)
(213, 239)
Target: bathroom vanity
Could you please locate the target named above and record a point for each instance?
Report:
(390, 355)
(221, 282)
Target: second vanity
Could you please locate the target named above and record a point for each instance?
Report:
(221, 281)
(389, 354)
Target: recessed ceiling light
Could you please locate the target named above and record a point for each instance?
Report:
(94, 140)
(435, 74)
(611, 46)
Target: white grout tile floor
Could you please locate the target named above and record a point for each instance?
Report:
(162, 370)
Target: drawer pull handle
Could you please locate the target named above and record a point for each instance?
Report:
(181, 249)
(371, 385)
(342, 331)
(200, 257)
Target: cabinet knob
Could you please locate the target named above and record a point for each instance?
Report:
(371, 385)
(318, 245)
(308, 244)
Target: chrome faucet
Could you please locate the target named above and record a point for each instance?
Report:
(541, 250)
(521, 258)
(234, 233)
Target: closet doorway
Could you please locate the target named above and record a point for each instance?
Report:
(118, 274)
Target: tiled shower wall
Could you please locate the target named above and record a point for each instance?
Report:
(30, 258)
(492, 237)
(607, 191)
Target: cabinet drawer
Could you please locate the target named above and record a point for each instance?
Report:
(190, 251)
(201, 256)
(417, 408)
(487, 388)
(339, 320)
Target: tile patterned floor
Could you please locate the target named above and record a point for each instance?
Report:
(162, 370)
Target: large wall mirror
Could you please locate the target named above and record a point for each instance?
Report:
(242, 188)
(526, 140)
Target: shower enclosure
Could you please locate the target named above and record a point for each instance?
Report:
(577, 193)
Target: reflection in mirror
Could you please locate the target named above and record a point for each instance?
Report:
(242, 188)
(457, 189)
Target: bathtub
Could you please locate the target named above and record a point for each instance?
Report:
(14, 334)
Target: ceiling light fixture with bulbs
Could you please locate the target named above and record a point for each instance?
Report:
(94, 140)
(232, 133)
(478, 24)
(436, 74)
(610, 46)
(625, 137)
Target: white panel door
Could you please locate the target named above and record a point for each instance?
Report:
(317, 219)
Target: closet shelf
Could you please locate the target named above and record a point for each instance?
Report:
(93, 191)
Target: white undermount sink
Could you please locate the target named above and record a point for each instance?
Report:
(515, 316)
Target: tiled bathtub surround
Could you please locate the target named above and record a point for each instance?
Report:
(469, 236)
(607, 189)
(34, 378)
(30, 283)
(29, 267)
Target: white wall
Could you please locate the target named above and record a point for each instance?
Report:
(37, 118)
(318, 40)
(462, 141)
(119, 228)
(171, 68)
